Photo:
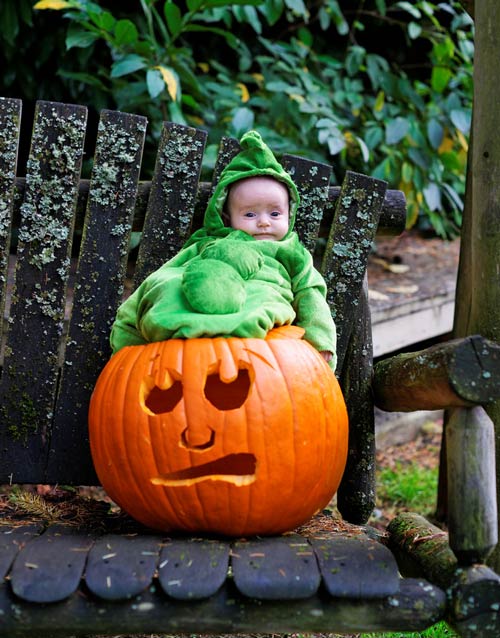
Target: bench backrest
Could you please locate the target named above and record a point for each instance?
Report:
(58, 313)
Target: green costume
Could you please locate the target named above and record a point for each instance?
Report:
(226, 283)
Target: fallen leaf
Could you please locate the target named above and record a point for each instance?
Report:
(404, 290)
(375, 295)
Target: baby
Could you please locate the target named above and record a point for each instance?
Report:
(242, 274)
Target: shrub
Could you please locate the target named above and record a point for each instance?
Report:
(383, 87)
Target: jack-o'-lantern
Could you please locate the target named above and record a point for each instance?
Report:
(235, 436)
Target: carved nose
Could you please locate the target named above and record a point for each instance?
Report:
(198, 439)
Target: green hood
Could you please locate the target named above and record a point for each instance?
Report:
(254, 159)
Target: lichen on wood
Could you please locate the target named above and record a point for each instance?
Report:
(36, 316)
(172, 198)
(10, 119)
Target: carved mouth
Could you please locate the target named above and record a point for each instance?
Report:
(238, 469)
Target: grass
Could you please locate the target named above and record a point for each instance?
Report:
(407, 486)
(440, 630)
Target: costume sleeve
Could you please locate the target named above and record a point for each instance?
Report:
(313, 312)
(125, 330)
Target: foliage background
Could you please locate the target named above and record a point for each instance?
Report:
(379, 86)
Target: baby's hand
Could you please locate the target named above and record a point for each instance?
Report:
(327, 355)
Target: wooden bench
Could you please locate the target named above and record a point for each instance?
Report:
(78, 568)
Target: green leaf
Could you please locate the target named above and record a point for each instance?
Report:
(414, 30)
(365, 152)
(81, 39)
(231, 39)
(243, 120)
(125, 32)
(435, 133)
(409, 8)
(439, 78)
(86, 78)
(432, 196)
(298, 7)
(208, 4)
(104, 20)
(173, 17)
(396, 130)
(374, 137)
(9, 21)
(381, 6)
(273, 9)
(461, 119)
(154, 82)
(126, 65)
(354, 59)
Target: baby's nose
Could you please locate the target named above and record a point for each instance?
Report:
(263, 221)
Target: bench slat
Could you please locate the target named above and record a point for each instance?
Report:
(346, 254)
(312, 180)
(356, 567)
(120, 567)
(98, 290)
(31, 357)
(356, 494)
(10, 124)
(172, 198)
(281, 568)
(193, 569)
(49, 568)
(12, 540)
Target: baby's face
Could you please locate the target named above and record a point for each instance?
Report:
(259, 206)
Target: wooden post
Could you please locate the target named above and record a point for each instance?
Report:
(472, 511)
(478, 297)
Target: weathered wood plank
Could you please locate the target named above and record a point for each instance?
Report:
(312, 180)
(49, 568)
(121, 567)
(172, 198)
(472, 503)
(281, 568)
(415, 607)
(457, 373)
(10, 124)
(476, 602)
(228, 148)
(12, 540)
(356, 567)
(97, 292)
(193, 569)
(356, 494)
(31, 357)
(346, 254)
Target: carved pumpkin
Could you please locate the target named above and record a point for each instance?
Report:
(226, 435)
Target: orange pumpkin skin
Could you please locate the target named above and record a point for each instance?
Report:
(225, 435)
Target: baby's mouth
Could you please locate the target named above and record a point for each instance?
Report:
(238, 469)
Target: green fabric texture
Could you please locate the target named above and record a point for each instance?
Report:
(225, 283)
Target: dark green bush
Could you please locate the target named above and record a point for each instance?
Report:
(379, 86)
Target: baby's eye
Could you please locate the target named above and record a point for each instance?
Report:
(276, 213)
(250, 214)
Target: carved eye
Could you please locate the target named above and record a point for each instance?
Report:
(156, 400)
(228, 396)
